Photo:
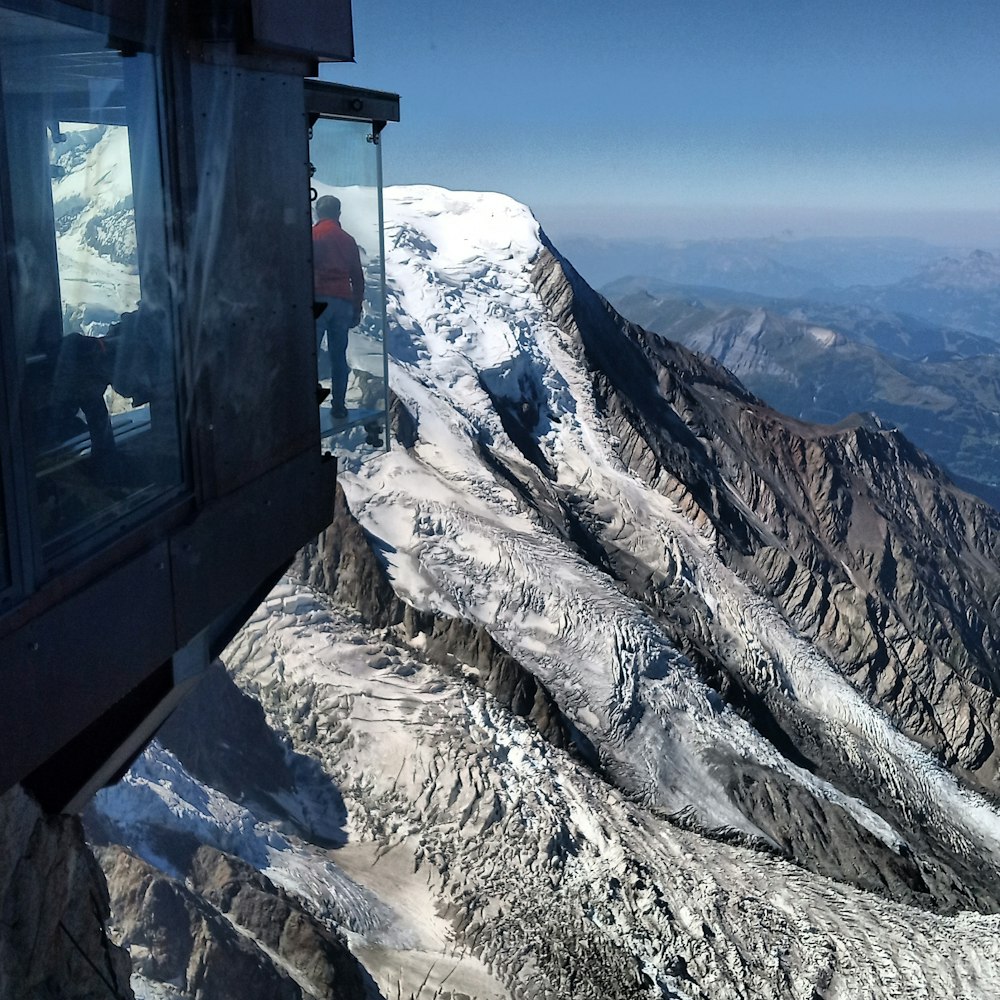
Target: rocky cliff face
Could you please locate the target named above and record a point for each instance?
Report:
(225, 931)
(53, 944)
(858, 537)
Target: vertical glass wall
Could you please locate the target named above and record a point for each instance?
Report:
(88, 276)
(4, 551)
(349, 287)
(8, 522)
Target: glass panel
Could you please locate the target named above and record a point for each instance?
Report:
(350, 329)
(91, 298)
(4, 556)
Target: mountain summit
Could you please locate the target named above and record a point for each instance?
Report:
(609, 680)
(978, 271)
(958, 292)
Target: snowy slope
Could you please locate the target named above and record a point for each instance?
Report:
(477, 850)
(95, 226)
(458, 541)
(473, 810)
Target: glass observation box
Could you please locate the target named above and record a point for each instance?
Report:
(348, 270)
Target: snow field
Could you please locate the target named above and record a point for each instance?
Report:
(460, 542)
(518, 837)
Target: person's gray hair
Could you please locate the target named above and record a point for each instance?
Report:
(328, 207)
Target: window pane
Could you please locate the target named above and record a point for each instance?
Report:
(90, 292)
(350, 340)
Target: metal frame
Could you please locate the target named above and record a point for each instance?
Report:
(336, 100)
(377, 140)
(23, 544)
(12, 469)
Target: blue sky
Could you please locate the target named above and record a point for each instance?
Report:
(699, 117)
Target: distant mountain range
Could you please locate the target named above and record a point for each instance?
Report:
(652, 302)
(962, 292)
(821, 363)
(958, 289)
(776, 267)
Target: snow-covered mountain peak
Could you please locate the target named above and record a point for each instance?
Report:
(459, 266)
(465, 226)
(487, 371)
(467, 327)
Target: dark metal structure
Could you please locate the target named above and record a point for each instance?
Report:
(160, 457)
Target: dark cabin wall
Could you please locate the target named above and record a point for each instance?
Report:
(252, 348)
(321, 27)
(79, 651)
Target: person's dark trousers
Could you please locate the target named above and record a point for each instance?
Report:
(335, 322)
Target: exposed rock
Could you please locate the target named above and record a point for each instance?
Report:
(344, 564)
(53, 944)
(228, 933)
(269, 916)
(567, 889)
(174, 937)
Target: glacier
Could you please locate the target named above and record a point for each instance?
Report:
(481, 859)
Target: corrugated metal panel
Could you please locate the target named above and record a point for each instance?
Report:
(320, 28)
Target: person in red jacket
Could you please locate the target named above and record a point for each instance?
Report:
(340, 287)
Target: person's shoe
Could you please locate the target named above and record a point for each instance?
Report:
(339, 412)
(321, 393)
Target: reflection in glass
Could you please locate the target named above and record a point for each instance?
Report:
(89, 285)
(347, 215)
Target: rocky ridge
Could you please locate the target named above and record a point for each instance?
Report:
(863, 541)
(820, 364)
(225, 931)
(54, 943)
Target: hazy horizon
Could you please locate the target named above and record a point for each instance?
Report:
(949, 231)
(700, 120)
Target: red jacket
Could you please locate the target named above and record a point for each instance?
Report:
(337, 264)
